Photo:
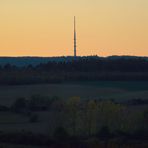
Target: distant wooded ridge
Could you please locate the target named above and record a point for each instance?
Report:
(28, 60)
(33, 70)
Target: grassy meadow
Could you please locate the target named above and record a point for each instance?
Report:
(88, 90)
(77, 110)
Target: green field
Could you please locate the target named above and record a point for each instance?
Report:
(87, 90)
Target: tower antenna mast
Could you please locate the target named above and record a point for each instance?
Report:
(75, 38)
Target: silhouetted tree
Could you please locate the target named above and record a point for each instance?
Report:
(20, 105)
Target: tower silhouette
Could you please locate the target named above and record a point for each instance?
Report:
(75, 39)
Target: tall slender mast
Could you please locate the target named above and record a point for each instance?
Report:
(75, 39)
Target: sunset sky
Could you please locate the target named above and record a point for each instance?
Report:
(45, 27)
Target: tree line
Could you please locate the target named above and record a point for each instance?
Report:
(80, 121)
(82, 69)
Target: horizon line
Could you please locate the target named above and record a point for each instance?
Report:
(29, 56)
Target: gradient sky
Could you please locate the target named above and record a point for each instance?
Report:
(45, 27)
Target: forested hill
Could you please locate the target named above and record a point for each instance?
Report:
(25, 61)
(30, 70)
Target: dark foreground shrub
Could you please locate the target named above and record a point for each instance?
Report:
(104, 133)
(4, 108)
(34, 118)
(61, 134)
(20, 105)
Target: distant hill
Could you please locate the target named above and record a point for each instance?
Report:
(37, 70)
(25, 61)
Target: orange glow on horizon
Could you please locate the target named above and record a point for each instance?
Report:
(45, 28)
